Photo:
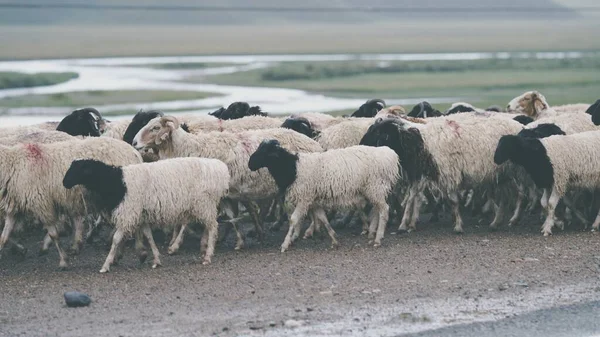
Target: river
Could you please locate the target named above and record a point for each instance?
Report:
(129, 73)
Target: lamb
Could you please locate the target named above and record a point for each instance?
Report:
(313, 182)
(446, 155)
(556, 164)
(161, 194)
(370, 108)
(165, 135)
(31, 175)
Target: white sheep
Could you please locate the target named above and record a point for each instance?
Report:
(31, 177)
(116, 129)
(445, 155)
(234, 149)
(569, 123)
(200, 124)
(161, 194)
(556, 164)
(333, 179)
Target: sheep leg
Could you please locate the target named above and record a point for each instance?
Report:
(211, 233)
(365, 222)
(550, 209)
(498, 214)
(518, 207)
(321, 217)
(20, 247)
(203, 244)
(596, 224)
(176, 243)
(455, 203)
(257, 220)
(155, 252)
(78, 227)
(53, 232)
(313, 224)
(295, 221)
(175, 234)
(139, 246)
(116, 241)
(92, 229)
(347, 219)
(408, 208)
(45, 245)
(383, 210)
(9, 224)
(575, 211)
(416, 211)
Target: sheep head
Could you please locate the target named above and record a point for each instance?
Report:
(459, 108)
(531, 103)
(369, 108)
(155, 133)
(300, 125)
(138, 122)
(83, 122)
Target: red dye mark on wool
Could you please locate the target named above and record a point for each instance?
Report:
(455, 127)
(33, 151)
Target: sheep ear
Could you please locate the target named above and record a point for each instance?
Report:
(170, 122)
(163, 134)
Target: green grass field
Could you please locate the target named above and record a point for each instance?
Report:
(77, 99)
(10, 80)
(482, 83)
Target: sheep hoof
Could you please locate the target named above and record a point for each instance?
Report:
(283, 249)
(458, 231)
(63, 265)
(307, 236)
(377, 245)
(546, 233)
(156, 265)
(142, 257)
(594, 230)
(363, 232)
(206, 262)
(19, 250)
(104, 270)
(42, 252)
(493, 228)
(172, 251)
(402, 230)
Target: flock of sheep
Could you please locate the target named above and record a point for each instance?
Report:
(381, 163)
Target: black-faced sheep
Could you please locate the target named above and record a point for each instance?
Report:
(161, 194)
(424, 110)
(333, 179)
(556, 164)
(238, 110)
(445, 155)
(369, 108)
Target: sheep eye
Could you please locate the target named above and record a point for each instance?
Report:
(155, 128)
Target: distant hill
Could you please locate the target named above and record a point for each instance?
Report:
(74, 16)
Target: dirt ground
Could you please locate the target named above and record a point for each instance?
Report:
(419, 281)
